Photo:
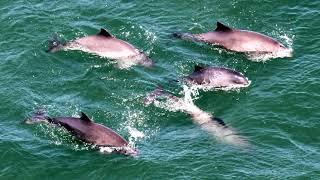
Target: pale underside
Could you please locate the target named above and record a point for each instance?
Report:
(125, 54)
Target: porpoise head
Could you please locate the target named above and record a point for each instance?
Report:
(274, 45)
(55, 44)
(217, 77)
(146, 61)
(236, 78)
(38, 117)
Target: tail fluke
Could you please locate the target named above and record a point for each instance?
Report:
(55, 44)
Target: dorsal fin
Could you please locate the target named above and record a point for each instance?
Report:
(220, 121)
(104, 33)
(223, 28)
(198, 68)
(85, 118)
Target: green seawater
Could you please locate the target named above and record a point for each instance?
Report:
(279, 113)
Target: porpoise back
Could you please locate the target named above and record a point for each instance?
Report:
(105, 45)
(217, 77)
(236, 40)
(87, 130)
(83, 128)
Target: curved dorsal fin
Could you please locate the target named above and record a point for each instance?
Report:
(104, 33)
(85, 118)
(220, 121)
(198, 68)
(222, 27)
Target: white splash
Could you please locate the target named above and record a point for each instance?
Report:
(127, 150)
(136, 127)
(135, 135)
(194, 88)
(107, 150)
(263, 57)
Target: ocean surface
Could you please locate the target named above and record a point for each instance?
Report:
(278, 113)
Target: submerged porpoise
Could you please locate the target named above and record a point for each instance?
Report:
(88, 131)
(213, 125)
(237, 40)
(105, 45)
(217, 78)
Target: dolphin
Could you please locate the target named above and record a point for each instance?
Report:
(217, 78)
(88, 131)
(237, 40)
(105, 45)
(212, 125)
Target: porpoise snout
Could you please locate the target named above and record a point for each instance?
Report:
(241, 80)
(147, 62)
(236, 78)
(186, 36)
(177, 35)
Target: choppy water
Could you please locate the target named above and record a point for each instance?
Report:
(279, 112)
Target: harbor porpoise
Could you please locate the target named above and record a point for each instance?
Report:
(88, 131)
(105, 45)
(237, 40)
(212, 125)
(217, 78)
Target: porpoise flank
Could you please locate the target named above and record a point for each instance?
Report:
(88, 131)
(213, 125)
(105, 45)
(237, 40)
(217, 78)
